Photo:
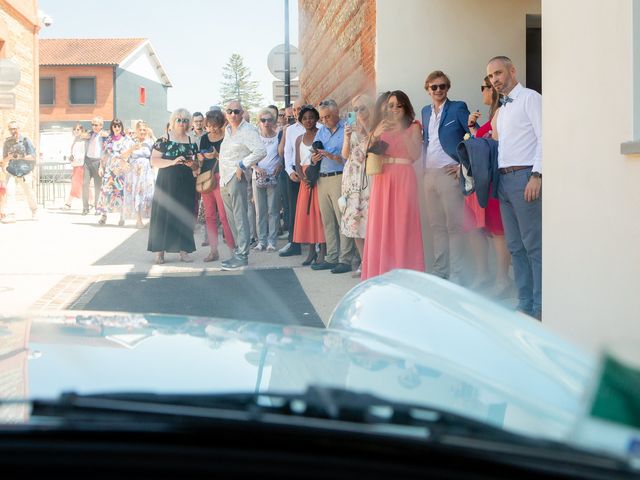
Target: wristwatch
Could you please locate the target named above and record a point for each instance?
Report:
(536, 174)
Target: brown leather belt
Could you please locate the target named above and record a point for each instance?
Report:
(513, 169)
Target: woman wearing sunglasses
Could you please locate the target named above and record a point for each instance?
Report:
(355, 183)
(483, 222)
(172, 216)
(112, 170)
(394, 232)
(76, 158)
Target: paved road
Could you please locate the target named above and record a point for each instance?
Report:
(64, 260)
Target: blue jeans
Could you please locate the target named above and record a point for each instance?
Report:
(522, 222)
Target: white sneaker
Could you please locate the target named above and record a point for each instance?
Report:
(259, 248)
(9, 219)
(271, 247)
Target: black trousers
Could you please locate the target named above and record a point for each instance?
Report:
(294, 188)
(91, 166)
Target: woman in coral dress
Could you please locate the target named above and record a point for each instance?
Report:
(308, 226)
(394, 232)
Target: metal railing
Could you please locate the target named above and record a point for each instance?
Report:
(53, 178)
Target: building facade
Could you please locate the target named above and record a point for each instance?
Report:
(585, 58)
(112, 78)
(19, 27)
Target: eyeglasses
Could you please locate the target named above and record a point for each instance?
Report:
(359, 109)
(234, 111)
(395, 106)
(265, 120)
(441, 86)
(483, 87)
(182, 120)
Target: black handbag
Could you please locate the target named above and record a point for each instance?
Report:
(20, 168)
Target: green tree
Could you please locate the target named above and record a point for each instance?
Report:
(237, 85)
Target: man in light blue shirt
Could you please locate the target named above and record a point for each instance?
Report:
(340, 249)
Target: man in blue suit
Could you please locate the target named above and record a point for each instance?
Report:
(444, 125)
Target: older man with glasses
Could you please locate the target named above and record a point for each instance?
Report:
(340, 249)
(93, 156)
(240, 149)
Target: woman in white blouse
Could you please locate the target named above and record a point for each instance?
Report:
(78, 150)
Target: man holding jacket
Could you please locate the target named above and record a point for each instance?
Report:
(444, 124)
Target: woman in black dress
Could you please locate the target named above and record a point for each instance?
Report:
(172, 218)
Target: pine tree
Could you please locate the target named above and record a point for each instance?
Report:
(237, 85)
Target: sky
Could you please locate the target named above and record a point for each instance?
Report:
(193, 38)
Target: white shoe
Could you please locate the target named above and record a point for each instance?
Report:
(9, 219)
(259, 248)
(271, 247)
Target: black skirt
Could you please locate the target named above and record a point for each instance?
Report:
(173, 211)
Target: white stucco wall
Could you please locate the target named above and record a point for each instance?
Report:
(591, 219)
(457, 37)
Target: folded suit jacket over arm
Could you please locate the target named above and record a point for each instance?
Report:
(480, 158)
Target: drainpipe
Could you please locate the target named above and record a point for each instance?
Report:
(115, 112)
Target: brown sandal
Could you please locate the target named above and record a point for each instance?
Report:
(212, 257)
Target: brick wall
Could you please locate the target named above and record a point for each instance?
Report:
(337, 44)
(62, 111)
(18, 33)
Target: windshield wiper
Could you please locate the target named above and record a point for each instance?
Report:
(325, 408)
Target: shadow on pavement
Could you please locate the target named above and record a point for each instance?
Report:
(273, 296)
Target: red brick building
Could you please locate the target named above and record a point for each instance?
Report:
(114, 77)
(337, 43)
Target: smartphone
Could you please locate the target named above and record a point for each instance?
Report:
(351, 118)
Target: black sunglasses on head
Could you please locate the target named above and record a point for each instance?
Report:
(484, 87)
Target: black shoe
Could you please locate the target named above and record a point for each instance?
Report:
(310, 259)
(323, 266)
(292, 250)
(341, 268)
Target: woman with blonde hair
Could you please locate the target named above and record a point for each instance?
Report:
(355, 183)
(139, 181)
(172, 219)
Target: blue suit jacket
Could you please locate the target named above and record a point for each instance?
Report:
(453, 126)
(480, 157)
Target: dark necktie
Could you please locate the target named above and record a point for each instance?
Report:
(505, 99)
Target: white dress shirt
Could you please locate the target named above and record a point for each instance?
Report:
(292, 134)
(243, 147)
(94, 146)
(520, 130)
(436, 156)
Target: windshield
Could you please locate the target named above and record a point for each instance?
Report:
(266, 196)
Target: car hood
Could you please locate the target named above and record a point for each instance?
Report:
(43, 356)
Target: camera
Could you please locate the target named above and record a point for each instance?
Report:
(47, 21)
(18, 151)
(317, 145)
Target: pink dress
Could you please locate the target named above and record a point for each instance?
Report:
(394, 231)
(488, 218)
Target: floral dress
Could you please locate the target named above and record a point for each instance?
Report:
(139, 183)
(112, 190)
(173, 210)
(356, 189)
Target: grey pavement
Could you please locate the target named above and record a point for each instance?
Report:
(64, 260)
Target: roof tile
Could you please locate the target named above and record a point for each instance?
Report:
(87, 51)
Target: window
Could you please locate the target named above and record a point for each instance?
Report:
(47, 91)
(82, 90)
(142, 95)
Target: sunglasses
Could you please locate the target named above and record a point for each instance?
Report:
(234, 111)
(182, 120)
(442, 86)
(328, 103)
(115, 125)
(281, 114)
(266, 120)
(484, 87)
(359, 109)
